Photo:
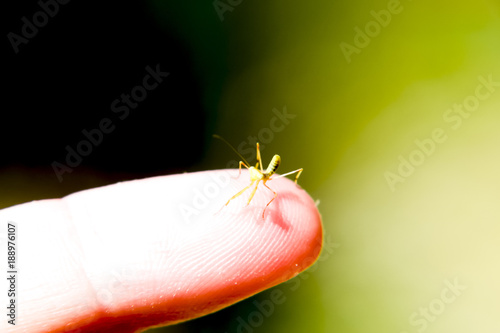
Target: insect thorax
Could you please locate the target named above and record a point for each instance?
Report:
(255, 174)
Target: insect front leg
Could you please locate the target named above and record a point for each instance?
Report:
(239, 172)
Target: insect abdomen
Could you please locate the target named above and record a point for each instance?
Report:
(275, 163)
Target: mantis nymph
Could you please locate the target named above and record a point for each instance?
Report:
(258, 174)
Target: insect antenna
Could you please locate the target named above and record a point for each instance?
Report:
(230, 146)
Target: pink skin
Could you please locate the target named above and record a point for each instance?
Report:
(156, 251)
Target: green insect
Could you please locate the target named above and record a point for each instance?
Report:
(258, 174)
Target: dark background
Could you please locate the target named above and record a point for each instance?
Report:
(64, 79)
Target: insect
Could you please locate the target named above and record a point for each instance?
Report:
(258, 174)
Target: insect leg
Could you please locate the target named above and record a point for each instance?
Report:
(299, 171)
(253, 192)
(275, 195)
(239, 173)
(239, 193)
(259, 159)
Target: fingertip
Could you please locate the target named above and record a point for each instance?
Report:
(187, 259)
(272, 249)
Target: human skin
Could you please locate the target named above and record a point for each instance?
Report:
(156, 251)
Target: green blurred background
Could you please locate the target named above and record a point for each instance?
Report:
(390, 114)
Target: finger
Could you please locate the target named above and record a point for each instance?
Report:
(153, 252)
